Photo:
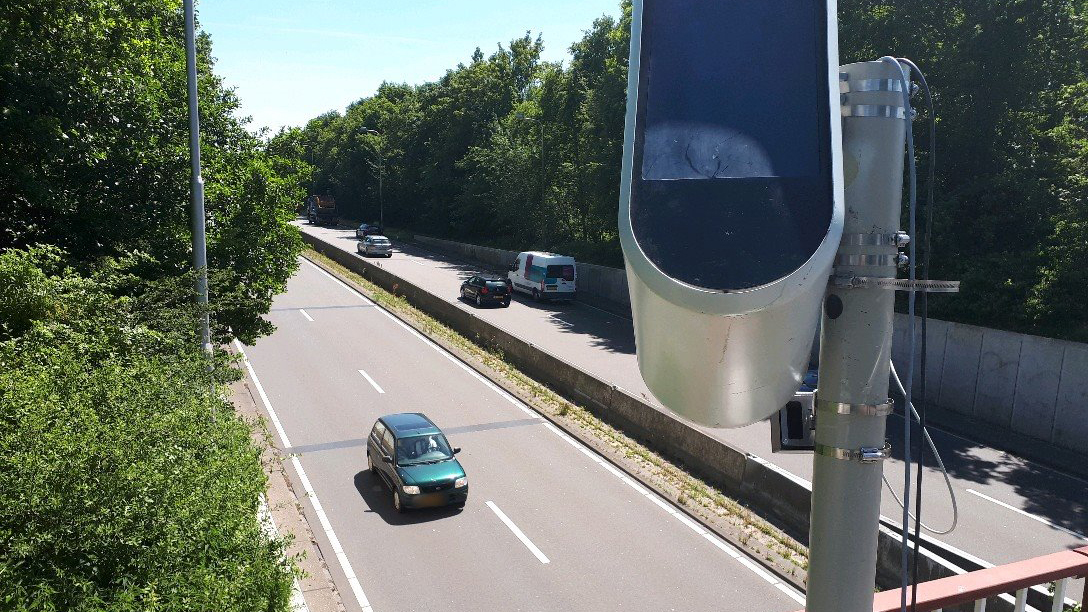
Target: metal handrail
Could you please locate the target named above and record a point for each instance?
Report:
(978, 586)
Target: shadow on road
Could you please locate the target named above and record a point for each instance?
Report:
(1045, 492)
(380, 501)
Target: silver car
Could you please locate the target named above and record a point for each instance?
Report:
(375, 245)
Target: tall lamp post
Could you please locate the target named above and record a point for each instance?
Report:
(381, 163)
(200, 254)
(525, 117)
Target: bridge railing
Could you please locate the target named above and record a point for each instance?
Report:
(978, 587)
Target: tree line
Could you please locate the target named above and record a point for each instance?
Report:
(511, 151)
(127, 482)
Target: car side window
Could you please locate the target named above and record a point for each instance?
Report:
(387, 442)
(379, 431)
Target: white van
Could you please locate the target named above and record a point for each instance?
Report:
(544, 275)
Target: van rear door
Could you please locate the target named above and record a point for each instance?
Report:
(560, 278)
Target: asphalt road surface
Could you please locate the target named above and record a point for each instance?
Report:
(549, 525)
(1010, 509)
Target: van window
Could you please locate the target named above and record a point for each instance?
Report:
(564, 272)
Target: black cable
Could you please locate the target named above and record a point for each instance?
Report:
(926, 252)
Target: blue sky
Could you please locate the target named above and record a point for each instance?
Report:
(291, 61)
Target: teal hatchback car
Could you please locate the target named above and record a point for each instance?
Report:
(411, 455)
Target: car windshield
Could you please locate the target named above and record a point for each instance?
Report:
(423, 449)
(564, 272)
(380, 241)
(497, 285)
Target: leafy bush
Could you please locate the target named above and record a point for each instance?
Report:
(126, 481)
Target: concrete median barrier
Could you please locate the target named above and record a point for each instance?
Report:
(770, 492)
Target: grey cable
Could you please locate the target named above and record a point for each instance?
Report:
(940, 464)
(904, 558)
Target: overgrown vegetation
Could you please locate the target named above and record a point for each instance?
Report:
(509, 151)
(126, 480)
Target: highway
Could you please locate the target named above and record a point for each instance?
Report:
(1010, 508)
(549, 525)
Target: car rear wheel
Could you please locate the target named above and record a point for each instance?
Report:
(479, 302)
(396, 502)
(506, 303)
(388, 254)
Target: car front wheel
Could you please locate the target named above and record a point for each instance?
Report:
(396, 502)
(370, 465)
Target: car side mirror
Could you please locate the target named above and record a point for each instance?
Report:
(387, 459)
(456, 449)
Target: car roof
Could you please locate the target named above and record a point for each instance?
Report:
(410, 424)
(492, 277)
(546, 255)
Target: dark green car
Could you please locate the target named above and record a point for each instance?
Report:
(411, 455)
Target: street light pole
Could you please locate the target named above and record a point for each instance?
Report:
(381, 166)
(200, 255)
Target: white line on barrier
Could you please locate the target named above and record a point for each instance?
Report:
(371, 381)
(326, 526)
(517, 532)
(1028, 514)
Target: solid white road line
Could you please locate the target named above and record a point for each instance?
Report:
(441, 351)
(1028, 514)
(681, 517)
(517, 532)
(264, 396)
(337, 281)
(371, 381)
(326, 526)
(264, 516)
(308, 317)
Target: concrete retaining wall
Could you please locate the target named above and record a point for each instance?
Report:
(1033, 388)
(750, 480)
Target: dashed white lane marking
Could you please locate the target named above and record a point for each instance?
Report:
(371, 381)
(337, 549)
(308, 317)
(788, 590)
(432, 344)
(517, 532)
(682, 517)
(264, 516)
(1028, 514)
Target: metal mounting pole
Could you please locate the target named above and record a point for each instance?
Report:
(855, 347)
(200, 255)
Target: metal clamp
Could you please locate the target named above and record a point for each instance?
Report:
(859, 409)
(860, 85)
(865, 454)
(886, 111)
(849, 281)
(858, 259)
(898, 239)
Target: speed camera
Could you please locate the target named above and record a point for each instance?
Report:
(731, 201)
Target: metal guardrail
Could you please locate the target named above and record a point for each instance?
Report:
(978, 587)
